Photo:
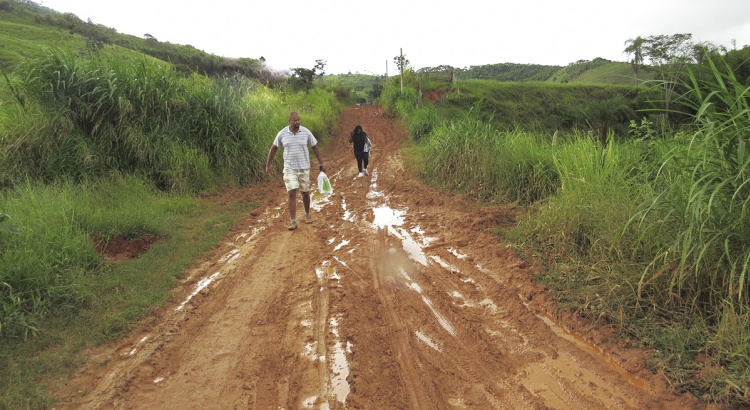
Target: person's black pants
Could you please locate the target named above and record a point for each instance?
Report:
(363, 158)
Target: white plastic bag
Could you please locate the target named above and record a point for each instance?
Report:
(368, 144)
(324, 184)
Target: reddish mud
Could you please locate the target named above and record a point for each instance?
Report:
(397, 296)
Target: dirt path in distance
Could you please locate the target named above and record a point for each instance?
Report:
(397, 296)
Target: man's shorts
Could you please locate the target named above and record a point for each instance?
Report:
(297, 179)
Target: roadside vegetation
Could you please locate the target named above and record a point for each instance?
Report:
(95, 148)
(641, 224)
(635, 176)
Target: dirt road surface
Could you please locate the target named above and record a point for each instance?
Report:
(397, 296)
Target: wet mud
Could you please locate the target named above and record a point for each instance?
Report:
(396, 296)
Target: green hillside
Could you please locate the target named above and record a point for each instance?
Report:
(27, 27)
(21, 37)
(601, 71)
(597, 71)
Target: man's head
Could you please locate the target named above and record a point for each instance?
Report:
(294, 121)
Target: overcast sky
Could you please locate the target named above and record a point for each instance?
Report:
(358, 36)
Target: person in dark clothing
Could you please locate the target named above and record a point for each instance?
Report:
(361, 143)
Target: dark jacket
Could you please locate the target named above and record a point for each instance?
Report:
(358, 141)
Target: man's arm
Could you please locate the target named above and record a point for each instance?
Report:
(317, 155)
(271, 154)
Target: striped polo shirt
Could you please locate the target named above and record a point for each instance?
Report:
(295, 147)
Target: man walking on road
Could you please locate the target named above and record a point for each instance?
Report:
(296, 139)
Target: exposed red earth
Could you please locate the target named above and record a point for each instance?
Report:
(397, 296)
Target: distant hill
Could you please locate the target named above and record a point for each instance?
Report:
(597, 71)
(27, 27)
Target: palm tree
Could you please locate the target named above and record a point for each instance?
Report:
(635, 48)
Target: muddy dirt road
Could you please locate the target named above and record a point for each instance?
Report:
(397, 296)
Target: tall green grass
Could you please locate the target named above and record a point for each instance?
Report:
(705, 203)
(598, 189)
(470, 156)
(49, 255)
(695, 231)
(82, 117)
(650, 233)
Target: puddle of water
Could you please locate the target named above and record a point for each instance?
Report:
(489, 304)
(464, 302)
(373, 192)
(310, 351)
(426, 340)
(450, 268)
(255, 233)
(347, 215)
(273, 213)
(413, 248)
(326, 271)
(341, 262)
(339, 366)
(514, 345)
(230, 256)
(456, 253)
(318, 201)
(559, 330)
(404, 273)
(249, 237)
(557, 381)
(541, 384)
(332, 274)
(158, 380)
(135, 348)
(309, 402)
(198, 287)
(388, 217)
(342, 244)
(442, 320)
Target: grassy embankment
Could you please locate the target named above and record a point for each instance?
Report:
(648, 233)
(100, 148)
